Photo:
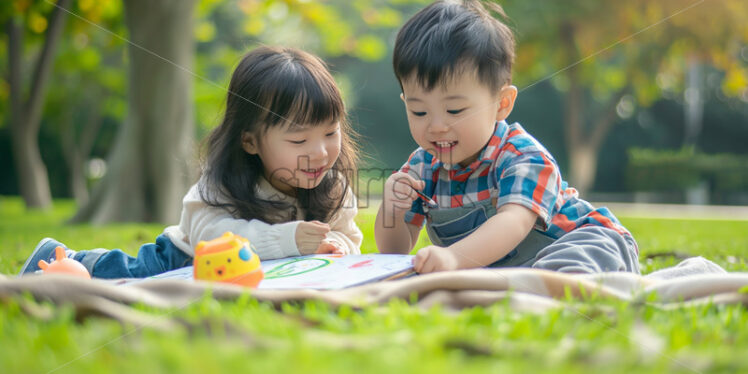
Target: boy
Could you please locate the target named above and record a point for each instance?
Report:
(493, 194)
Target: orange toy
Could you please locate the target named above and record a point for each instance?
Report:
(229, 258)
(64, 265)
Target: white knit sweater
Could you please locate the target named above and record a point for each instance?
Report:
(201, 221)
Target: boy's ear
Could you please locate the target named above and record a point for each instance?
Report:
(402, 96)
(507, 96)
(249, 143)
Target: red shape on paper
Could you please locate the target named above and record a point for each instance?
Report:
(361, 264)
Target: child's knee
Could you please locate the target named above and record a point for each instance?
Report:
(590, 250)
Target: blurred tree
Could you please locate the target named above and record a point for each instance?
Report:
(342, 32)
(26, 104)
(149, 169)
(89, 88)
(354, 38)
(607, 56)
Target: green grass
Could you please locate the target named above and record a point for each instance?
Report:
(593, 335)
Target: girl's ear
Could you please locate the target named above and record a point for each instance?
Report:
(250, 143)
(402, 96)
(507, 96)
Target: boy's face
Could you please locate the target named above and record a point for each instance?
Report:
(455, 121)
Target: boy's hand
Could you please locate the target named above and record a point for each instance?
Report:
(309, 236)
(398, 191)
(432, 258)
(331, 246)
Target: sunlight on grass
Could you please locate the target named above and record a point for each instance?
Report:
(725, 242)
(228, 337)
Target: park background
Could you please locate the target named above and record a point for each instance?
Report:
(106, 102)
(103, 105)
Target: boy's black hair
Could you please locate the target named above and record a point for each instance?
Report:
(448, 38)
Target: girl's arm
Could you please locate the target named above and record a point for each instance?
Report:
(397, 236)
(201, 221)
(343, 228)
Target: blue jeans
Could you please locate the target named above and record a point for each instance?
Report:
(153, 258)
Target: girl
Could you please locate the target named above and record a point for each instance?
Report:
(278, 172)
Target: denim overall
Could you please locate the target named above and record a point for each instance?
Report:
(446, 226)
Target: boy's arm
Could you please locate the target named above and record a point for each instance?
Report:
(393, 235)
(487, 244)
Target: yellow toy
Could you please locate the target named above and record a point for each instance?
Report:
(229, 258)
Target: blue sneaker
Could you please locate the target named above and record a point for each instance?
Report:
(45, 250)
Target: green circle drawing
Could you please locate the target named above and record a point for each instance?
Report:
(287, 269)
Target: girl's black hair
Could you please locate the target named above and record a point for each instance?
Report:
(274, 86)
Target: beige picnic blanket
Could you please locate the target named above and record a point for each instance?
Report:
(694, 281)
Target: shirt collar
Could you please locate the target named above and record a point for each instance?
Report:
(487, 155)
(266, 191)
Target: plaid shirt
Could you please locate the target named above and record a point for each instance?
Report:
(513, 168)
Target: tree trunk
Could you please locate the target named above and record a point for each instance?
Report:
(582, 154)
(583, 137)
(574, 129)
(32, 173)
(149, 166)
(694, 101)
(25, 116)
(77, 145)
(583, 144)
(78, 184)
(583, 162)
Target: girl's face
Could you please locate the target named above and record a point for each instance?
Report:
(295, 157)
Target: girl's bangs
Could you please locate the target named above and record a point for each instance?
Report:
(304, 101)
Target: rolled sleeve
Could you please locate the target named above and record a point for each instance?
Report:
(343, 226)
(413, 217)
(201, 221)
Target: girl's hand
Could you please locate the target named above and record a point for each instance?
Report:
(309, 236)
(398, 192)
(331, 246)
(432, 258)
